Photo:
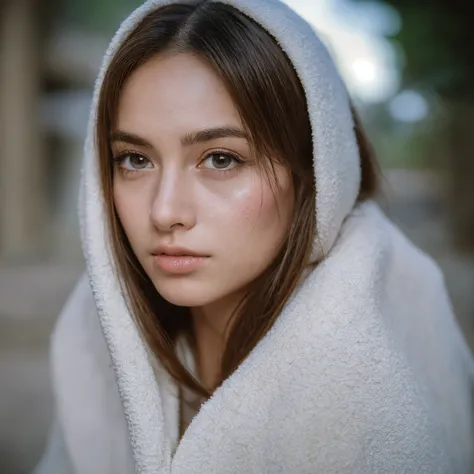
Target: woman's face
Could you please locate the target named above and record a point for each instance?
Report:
(200, 216)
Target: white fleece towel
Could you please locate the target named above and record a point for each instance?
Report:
(365, 370)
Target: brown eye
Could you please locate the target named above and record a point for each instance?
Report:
(221, 161)
(134, 162)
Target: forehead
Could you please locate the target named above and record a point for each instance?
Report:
(175, 91)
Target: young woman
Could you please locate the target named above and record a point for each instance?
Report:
(247, 307)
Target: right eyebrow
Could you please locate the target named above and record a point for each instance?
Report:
(129, 138)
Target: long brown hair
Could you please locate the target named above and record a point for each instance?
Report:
(271, 101)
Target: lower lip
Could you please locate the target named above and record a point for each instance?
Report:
(178, 264)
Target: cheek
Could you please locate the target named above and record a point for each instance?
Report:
(130, 210)
(259, 214)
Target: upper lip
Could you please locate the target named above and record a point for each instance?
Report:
(176, 251)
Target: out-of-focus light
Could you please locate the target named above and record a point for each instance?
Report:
(375, 17)
(409, 106)
(364, 70)
(368, 68)
(354, 34)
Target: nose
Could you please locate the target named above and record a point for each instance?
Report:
(172, 205)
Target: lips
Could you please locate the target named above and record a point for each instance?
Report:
(177, 252)
(178, 264)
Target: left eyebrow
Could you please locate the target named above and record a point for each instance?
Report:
(212, 134)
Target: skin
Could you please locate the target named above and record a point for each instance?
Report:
(195, 195)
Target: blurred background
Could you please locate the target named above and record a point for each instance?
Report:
(409, 67)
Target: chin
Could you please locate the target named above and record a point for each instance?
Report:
(184, 291)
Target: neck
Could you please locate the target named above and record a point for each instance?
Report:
(210, 323)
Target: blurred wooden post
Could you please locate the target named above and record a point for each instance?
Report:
(461, 174)
(22, 193)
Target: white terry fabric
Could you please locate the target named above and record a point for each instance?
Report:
(365, 370)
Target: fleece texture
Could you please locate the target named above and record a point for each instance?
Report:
(365, 370)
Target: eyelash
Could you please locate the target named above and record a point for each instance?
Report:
(238, 161)
(119, 159)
